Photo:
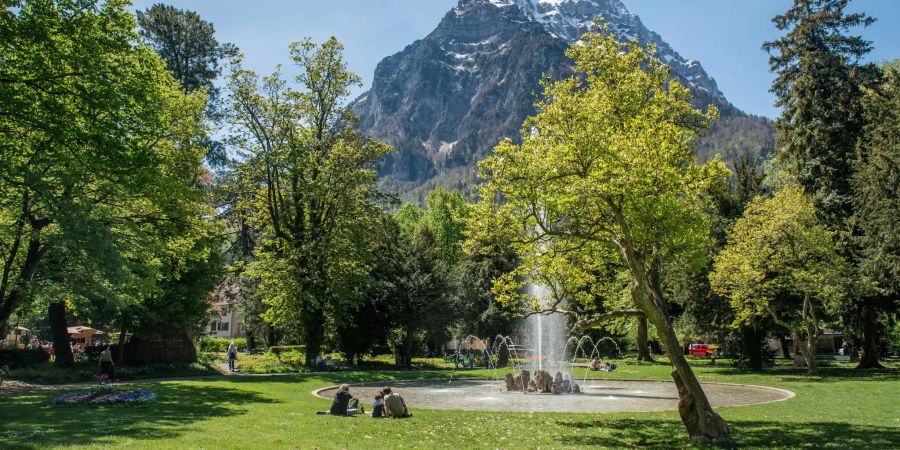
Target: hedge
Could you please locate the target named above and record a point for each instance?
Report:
(20, 358)
(279, 349)
(221, 344)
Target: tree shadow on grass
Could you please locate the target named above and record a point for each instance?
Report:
(826, 374)
(33, 421)
(669, 433)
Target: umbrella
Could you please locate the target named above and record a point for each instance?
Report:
(82, 332)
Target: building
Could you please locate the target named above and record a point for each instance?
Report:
(225, 321)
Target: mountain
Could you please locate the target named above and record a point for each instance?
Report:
(444, 101)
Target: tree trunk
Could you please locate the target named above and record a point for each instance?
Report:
(503, 356)
(752, 348)
(408, 348)
(799, 359)
(26, 273)
(269, 335)
(56, 314)
(251, 341)
(8, 304)
(643, 347)
(704, 425)
(871, 355)
(812, 335)
(313, 332)
(810, 355)
(786, 353)
(123, 332)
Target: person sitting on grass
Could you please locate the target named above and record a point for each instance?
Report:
(378, 405)
(394, 405)
(344, 403)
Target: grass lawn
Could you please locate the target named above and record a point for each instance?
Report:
(843, 408)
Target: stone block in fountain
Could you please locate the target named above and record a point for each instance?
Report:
(541, 383)
(518, 383)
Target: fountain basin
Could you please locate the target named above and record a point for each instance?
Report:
(603, 396)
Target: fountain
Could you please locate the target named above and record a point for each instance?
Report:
(529, 373)
(540, 364)
(549, 332)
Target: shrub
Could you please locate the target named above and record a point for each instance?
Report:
(279, 349)
(288, 362)
(221, 344)
(92, 352)
(47, 373)
(21, 358)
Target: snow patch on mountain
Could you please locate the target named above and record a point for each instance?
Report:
(570, 19)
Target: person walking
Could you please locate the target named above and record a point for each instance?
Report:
(107, 366)
(232, 355)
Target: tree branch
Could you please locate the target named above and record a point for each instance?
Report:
(593, 321)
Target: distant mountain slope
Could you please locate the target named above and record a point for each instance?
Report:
(446, 100)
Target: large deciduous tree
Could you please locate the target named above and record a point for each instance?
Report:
(606, 174)
(98, 146)
(311, 188)
(781, 262)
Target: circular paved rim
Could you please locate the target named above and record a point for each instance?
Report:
(601, 395)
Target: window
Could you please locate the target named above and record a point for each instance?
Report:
(212, 326)
(223, 326)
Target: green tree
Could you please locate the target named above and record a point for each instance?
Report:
(419, 303)
(445, 215)
(188, 45)
(606, 174)
(709, 314)
(366, 324)
(471, 281)
(781, 262)
(98, 146)
(876, 184)
(311, 178)
(818, 87)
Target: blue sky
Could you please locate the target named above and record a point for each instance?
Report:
(724, 35)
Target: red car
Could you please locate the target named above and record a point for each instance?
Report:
(703, 350)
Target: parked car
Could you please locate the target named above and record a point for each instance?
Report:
(703, 350)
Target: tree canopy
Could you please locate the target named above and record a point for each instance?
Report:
(99, 155)
(605, 173)
(312, 177)
(781, 262)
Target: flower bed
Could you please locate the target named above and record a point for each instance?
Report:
(106, 396)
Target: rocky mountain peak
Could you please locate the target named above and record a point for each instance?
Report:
(446, 100)
(570, 19)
